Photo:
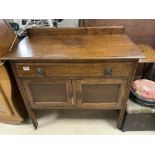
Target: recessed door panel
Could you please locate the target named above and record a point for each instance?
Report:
(100, 93)
(48, 92)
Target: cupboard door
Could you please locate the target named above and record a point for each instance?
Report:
(5, 109)
(48, 93)
(100, 93)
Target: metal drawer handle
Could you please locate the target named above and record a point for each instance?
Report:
(107, 71)
(40, 72)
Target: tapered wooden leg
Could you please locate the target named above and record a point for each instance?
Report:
(31, 115)
(120, 119)
(33, 119)
(121, 113)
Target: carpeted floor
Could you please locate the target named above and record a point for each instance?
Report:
(72, 122)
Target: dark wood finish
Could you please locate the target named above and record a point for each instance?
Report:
(74, 69)
(46, 93)
(25, 98)
(76, 63)
(93, 31)
(76, 47)
(100, 93)
(126, 96)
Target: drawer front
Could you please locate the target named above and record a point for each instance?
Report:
(74, 69)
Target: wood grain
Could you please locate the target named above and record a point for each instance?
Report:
(42, 92)
(74, 69)
(62, 55)
(78, 31)
(100, 93)
(75, 48)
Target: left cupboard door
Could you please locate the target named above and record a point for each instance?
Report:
(46, 93)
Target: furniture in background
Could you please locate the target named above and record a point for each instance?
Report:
(138, 118)
(75, 68)
(141, 31)
(11, 103)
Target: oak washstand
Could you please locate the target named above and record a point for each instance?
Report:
(76, 68)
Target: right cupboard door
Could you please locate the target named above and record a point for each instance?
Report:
(100, 93)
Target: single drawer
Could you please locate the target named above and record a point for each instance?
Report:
(74, 69)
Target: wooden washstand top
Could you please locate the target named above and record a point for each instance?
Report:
(75, 44)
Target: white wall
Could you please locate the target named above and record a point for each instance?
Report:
(69, 23)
